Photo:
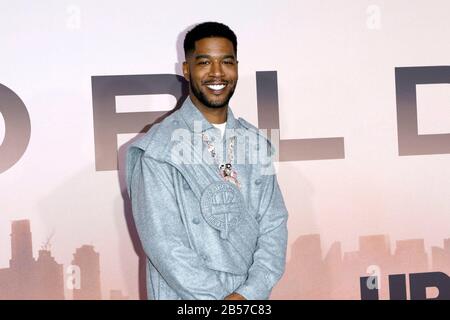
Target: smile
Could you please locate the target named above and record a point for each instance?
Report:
(216, 87)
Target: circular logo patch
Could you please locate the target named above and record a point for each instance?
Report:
(222, 204)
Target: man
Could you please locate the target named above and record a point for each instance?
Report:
(211, 219)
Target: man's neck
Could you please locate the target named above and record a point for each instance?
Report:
(213, 115)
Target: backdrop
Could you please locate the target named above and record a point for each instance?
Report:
(359, 90)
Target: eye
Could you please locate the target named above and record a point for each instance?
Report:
(231, 62)
(203, 62)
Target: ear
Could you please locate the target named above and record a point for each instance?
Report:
(186, 71)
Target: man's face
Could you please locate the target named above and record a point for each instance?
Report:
(212, 72)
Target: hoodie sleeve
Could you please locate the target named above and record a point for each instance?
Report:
(269, 258)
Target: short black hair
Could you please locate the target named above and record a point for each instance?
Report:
(207, 30)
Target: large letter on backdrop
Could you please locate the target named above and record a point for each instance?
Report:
(410, 142)
(108, 123)
(291, 149)
(17, 128)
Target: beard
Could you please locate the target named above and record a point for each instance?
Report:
(209, 102)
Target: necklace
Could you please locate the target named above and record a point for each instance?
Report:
(226, 171)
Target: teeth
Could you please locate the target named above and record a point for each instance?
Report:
(216, 86)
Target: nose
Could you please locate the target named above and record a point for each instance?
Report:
(216, 69)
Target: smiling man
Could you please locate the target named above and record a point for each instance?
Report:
(205, 198)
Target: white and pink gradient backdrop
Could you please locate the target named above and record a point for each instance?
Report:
(335, 62)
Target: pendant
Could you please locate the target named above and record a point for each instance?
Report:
(233, 180)
(229, 174)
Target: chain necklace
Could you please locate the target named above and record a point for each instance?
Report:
(226, 171)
